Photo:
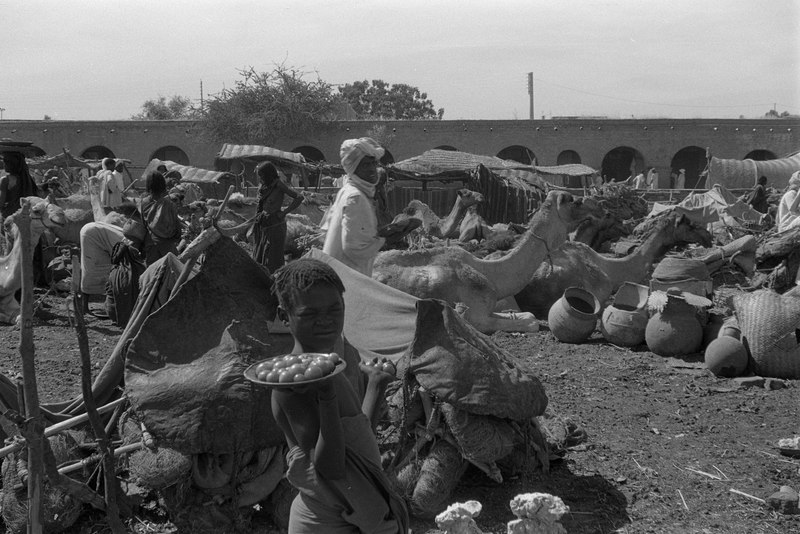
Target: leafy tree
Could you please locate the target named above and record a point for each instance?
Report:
(379, 100)
(177, 107)
(266, 106)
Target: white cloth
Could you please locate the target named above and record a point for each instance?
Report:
(680, 181)
(110, 194)
(97, 241)
(786, 217)
(353, 151)
(351, 229)
(119, 179)
(638, 182)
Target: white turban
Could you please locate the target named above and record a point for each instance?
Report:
(795, 179)
(354, 150)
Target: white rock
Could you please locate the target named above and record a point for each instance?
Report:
(458, 518)
(542, 506)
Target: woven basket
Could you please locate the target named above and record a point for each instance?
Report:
(769, 324)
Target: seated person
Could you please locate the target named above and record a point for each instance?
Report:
(333, 457)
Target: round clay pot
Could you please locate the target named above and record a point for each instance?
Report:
(726, 356)
(623, 327)
(674, 331)
(573, 317)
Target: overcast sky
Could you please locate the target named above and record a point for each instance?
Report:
(92, 59)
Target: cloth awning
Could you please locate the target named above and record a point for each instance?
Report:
(258, 152)
(572, 169)
(443, 164)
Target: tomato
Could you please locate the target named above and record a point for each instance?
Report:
(280, 364)
(265, 366)
(261, 375)
(387, 367)
(272, 376)
(296, 368)
(299, 377)
(333, 358)
(285, 377)
(313, 372)
(325, 365)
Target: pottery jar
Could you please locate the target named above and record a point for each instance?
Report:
(573, 317)
(674, 331)
(625, 320)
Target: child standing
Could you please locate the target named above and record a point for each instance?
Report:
(333, 457)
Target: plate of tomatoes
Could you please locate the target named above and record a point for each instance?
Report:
(294, 369)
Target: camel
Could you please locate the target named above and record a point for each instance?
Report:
(44, 215)
(576, 264)
(474, 285)
(432, 225)
(78, 214)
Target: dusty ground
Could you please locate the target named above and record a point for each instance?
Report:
(667, 441)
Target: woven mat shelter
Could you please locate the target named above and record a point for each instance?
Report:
(770, 326)
(443, 164)
(734, 173)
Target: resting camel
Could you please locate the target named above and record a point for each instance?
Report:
(454, 275)
(43, 215)
(576, 264)
(432, 225)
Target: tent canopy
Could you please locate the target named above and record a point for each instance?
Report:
(191, 174)
(742, 174)
(439, 165)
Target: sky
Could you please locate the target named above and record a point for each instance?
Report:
(101, 60)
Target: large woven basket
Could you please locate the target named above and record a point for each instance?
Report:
(769, 324)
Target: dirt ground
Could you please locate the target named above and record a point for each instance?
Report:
(667, 441)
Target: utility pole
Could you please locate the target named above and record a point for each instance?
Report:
(201, 94)
(530, 91)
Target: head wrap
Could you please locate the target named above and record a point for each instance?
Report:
(354, 150)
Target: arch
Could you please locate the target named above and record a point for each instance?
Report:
(567, 157)
(97, 152)
(620, 162)
(387, 158)
(310, 153)
(446, 147)
(171, 153)
(518, 153)
(693, 160)
(760, 154)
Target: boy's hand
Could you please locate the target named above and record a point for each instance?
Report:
(379, 368)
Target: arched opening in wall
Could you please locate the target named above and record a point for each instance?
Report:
(568, 157)
(693, 160)
(446, 147)
(518, 153)
(310, 153)
(760, 155)
(620, 163)
(97, 152)
(387, 158)
(171, 153)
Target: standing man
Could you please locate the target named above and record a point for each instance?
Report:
(110, 194)
(680, 181)
(652, 178)
(351, 222)
(758, 196)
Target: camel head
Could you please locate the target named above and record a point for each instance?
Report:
(470, 198)
(685, 231)
(417, 210)
(570, 210)
(43, 215)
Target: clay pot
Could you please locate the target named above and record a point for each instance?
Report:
(675, 331)
(573, 317)
(625, 320)
(711, 330)
(726, 356)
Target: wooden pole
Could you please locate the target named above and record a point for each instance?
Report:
(27, 353)
(103, 442)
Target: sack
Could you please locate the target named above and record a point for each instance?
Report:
(135, 230)
(122, 288)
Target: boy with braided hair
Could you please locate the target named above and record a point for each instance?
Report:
(333, 457)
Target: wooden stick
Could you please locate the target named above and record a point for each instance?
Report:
(103, 442)
(27, 353)
(77, 466)
(743, 494)
(63, 425)
(683, 500)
